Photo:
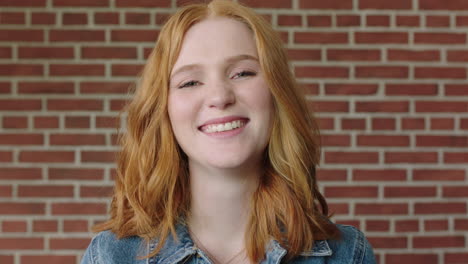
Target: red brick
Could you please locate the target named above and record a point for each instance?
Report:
(75, 226)
(339, 208)
(43, 18)
(440, 208)
(455, 258)
(5, 52)
(382, 71)
(21, 35)
(108, 53)
(439, 38)
(24, 3)
(406, 226)
(348, 20)
(443, 107)
(81, 3)
(14, 226)
(457, 55)
(289, 20)
(49, 259)
(398, 258)
(98, 156)
(377, 225)
(77, 139)
(351, 192)
(335, 140)
(413, 55)
(437, 21)
(117, 104)
(388, 242)
(443, 5)
(18, 243)
(407, 21)
(46, 122)
(16, 122)
(12, 18)
(79, 209)
(134, 35)
(435, 225)
(46, 87)
(107, 122)
(455, 191)
(351, 157)
(75, 174)
(381, 209)
(45, 226)
(77, 122)
(383, 141)
(456, 89)
(379, 175)
(47, 156)
(331, 175)
(126, 69)
(381, 37)
(464, 123)
(68, 243)
(73, 35)
(6, 259)
(74, 18)
(326, 123)
(410, 89)
(21, 139)
(15, 173)
(438, 242)
(304, 54)
(329, 106)
(461, 224)
(438, 175)
(462, 21)
(22, 208)
(6, 156)
(330, 4)
(21, 69)
(321, 38)
(319, 21)
(161, 18)
(378, 21)
(321, 72)
(265, 4)
(353, 55)
(389, 107)
(442, 123)
(6, 191)
(440, 72)
(5, 87)
(96, 191)
(77, 69)
(133, 18)
(407, 191)
(75, 104)
(410, 157)
(441, 141)
(353, 124)
(45, 191)
(383, 124)
(456, 157)
(106, 18)
(382, 4)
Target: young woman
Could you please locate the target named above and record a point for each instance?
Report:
(218, 160)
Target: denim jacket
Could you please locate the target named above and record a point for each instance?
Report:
(105, 248)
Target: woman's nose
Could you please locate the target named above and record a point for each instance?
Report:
(221, 95)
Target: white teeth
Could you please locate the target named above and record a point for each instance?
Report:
(223, 127)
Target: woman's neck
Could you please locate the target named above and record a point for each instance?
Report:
(220, 206)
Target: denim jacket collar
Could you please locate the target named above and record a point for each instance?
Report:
(176, 251)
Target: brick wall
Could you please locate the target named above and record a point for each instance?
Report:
(388, 80)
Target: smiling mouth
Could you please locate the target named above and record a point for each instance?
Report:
(227, 126)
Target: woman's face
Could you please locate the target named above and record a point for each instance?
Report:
(219, 105)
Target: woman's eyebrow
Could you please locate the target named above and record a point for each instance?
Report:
(229, 60)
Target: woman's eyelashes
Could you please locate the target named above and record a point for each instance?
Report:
(238, 75)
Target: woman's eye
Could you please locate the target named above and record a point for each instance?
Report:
(189, 84)
(244, 74)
